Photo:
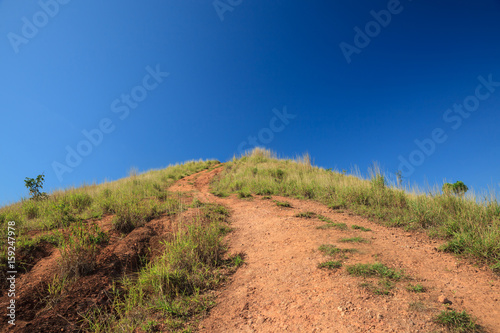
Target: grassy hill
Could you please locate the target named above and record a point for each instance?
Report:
(151, 254)
(471, 228)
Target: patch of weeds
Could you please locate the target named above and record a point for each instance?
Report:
(417, 288)
(79, 250)
(354, 240)
(237, 260)
(375, 269)
(458, 321)
(220, 194)
(60, 215)
(339, 226)
(330, 264)
(80, 201)
(244, 195)
(329, 249)
(55, 288)
(357, 227)
(417, 306)
(324, 218)
(496, 267)
(383, 287)
(266, 197)
(31, 209)
(196, 203)
(282, 204)
(224, 229)
(306, 215)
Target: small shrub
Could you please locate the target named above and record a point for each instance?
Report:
(458, 188)
(35, 187)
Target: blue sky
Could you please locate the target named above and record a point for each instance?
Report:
(159, 82)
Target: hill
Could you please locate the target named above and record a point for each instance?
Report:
(255, 244)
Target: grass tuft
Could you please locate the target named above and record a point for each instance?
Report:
(330, 264)
(357, 227)
(458, 321)
(282, 204)
(375, 269)
(354, 240)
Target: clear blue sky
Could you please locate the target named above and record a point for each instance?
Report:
(233, 67)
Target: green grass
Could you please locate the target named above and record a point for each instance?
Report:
(357, 227)
(330, 264)
(329, 249)
(471, 228)
(306, 215)
(282, 204)
(171, 288)
(383, 287)
(330, 224)
(354, 240)
(244, 195)
(458, 321)
(418, 288)
(375, 269)
(79, 250)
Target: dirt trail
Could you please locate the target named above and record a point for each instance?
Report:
(280, 287)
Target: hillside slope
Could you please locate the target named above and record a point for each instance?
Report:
(281, 288)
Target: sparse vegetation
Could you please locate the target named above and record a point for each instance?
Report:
(458, 321)
(330, 264)
(329, 249)
(375, 269)
(353, 240)
(79, 250)
(383, 287)
(306, 215)
(330, 224)
(357, 227)
(282, 204)
(172, 286)
(417, 288)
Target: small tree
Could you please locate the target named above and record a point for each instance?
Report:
(35, 187)
(458, 188)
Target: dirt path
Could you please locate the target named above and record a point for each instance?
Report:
(280, 287)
